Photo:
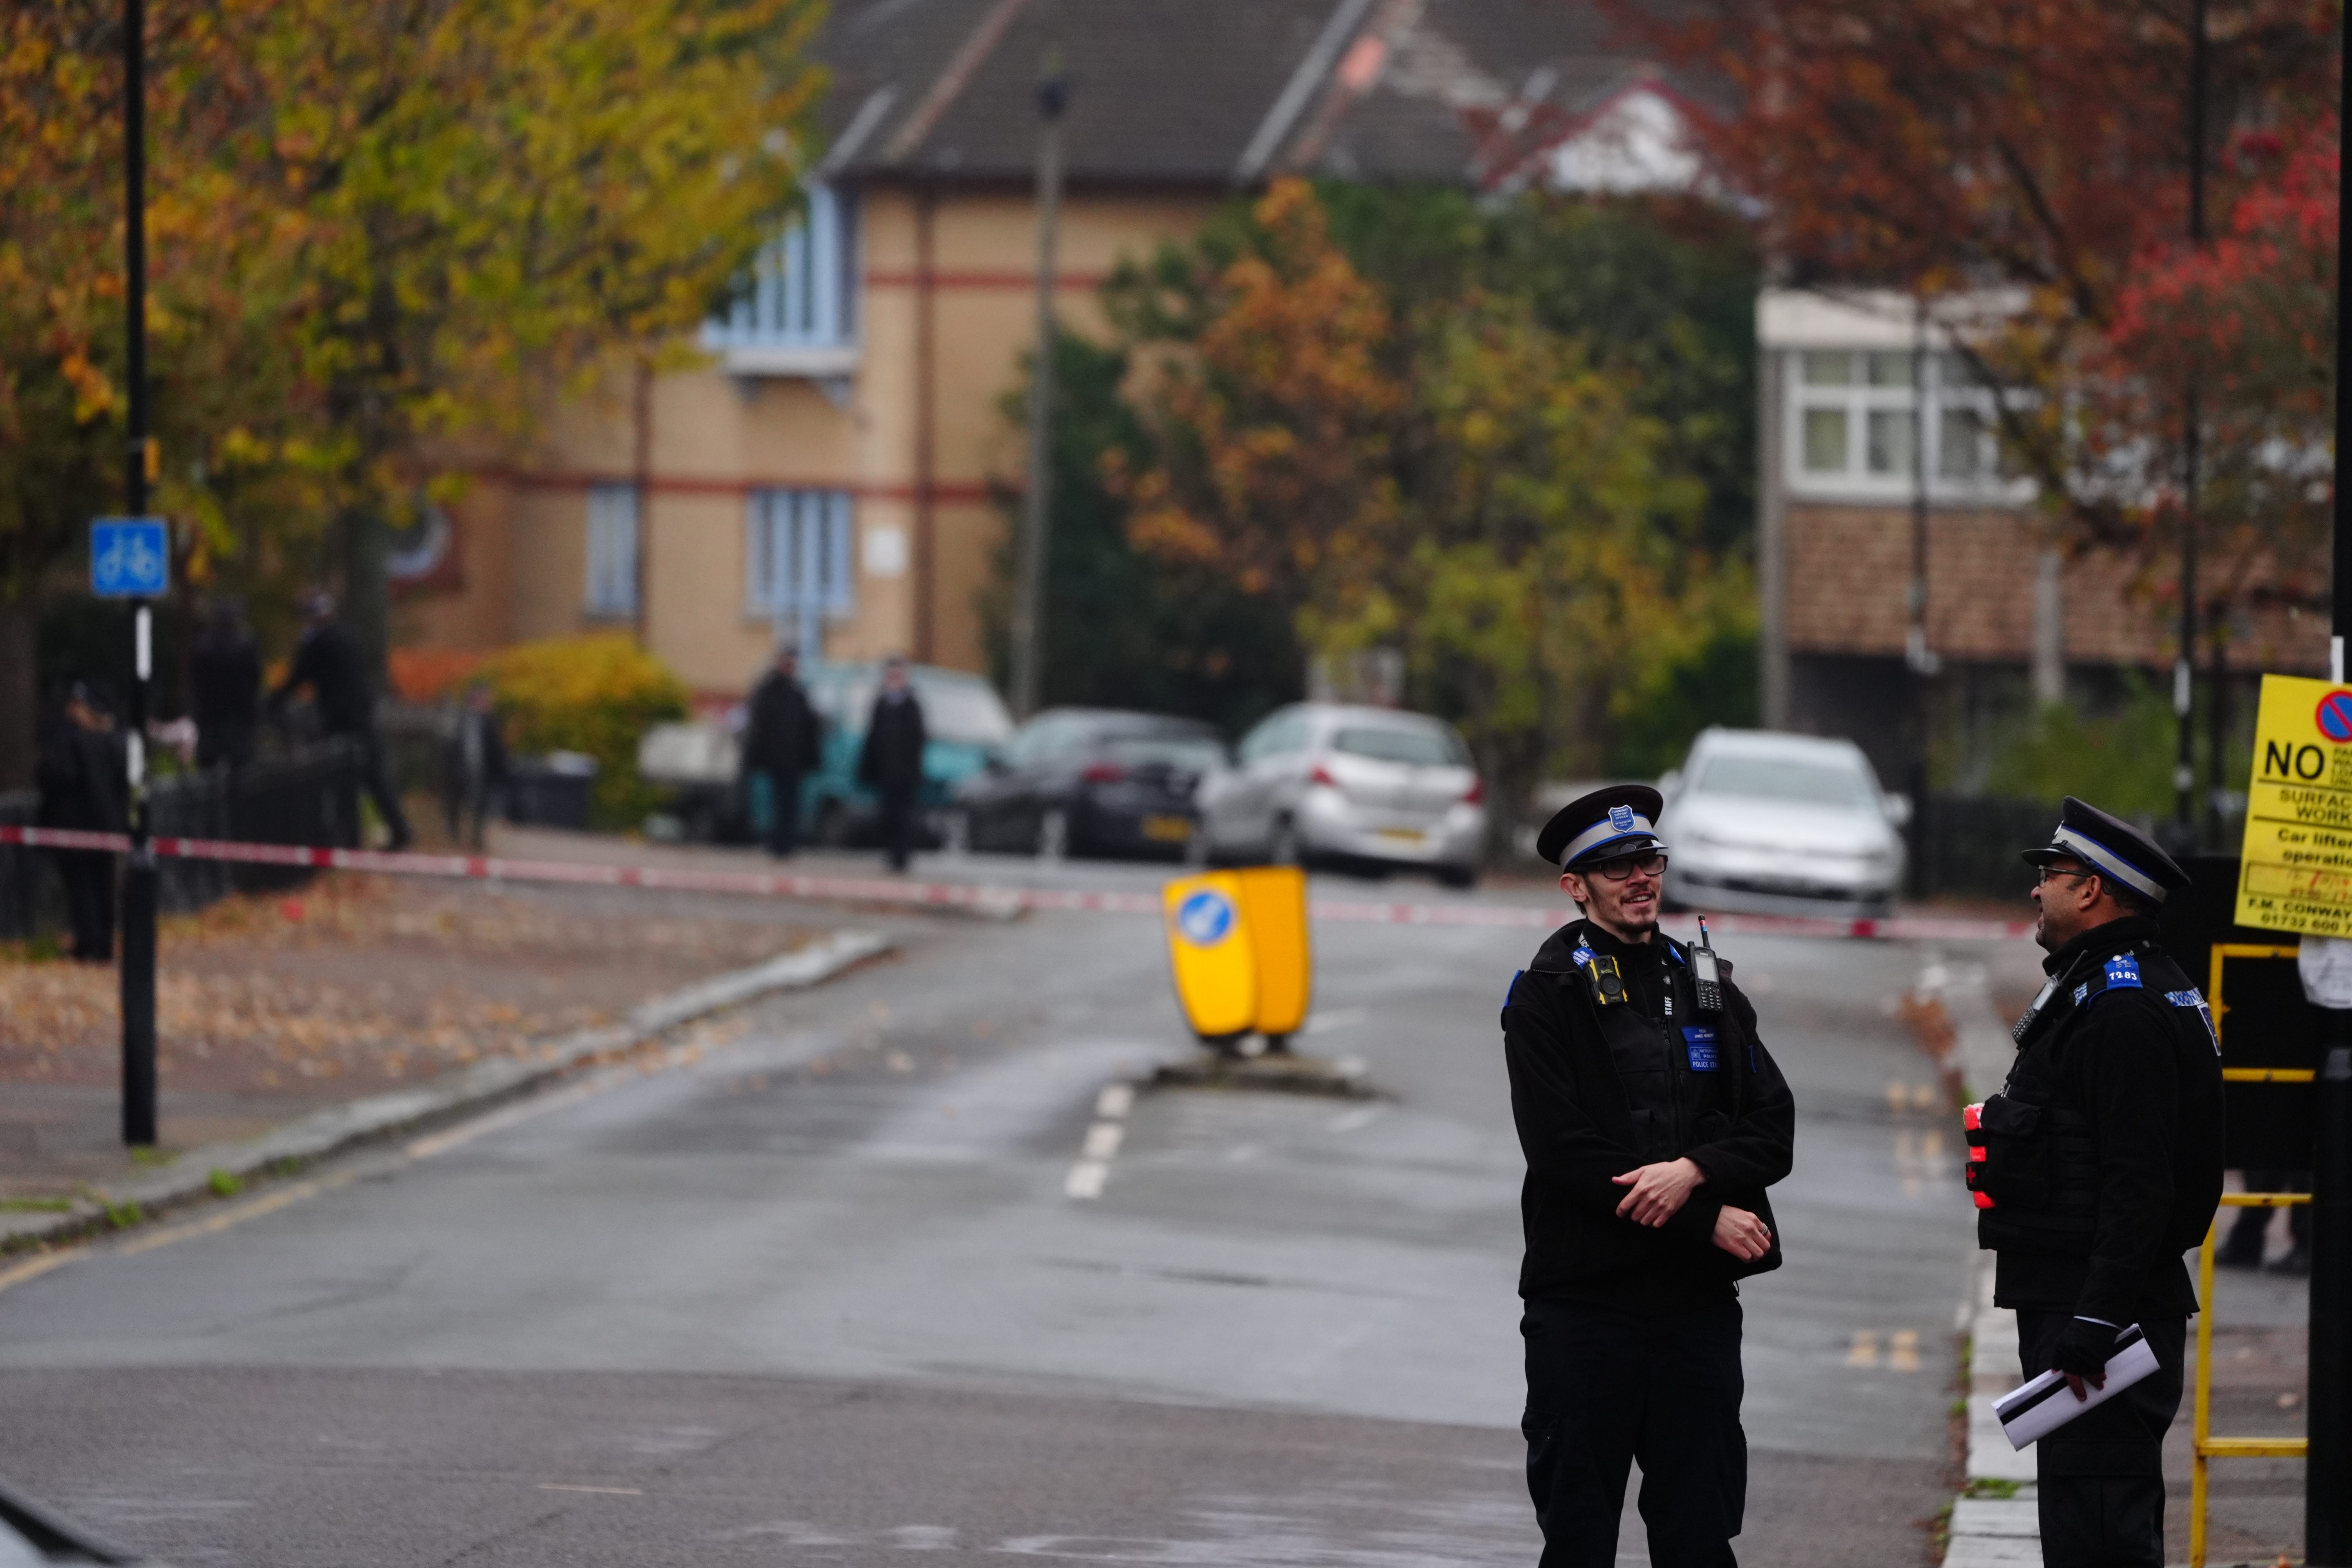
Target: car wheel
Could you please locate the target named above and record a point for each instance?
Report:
(1284, 848)
(1458, 876)
(1054, 834)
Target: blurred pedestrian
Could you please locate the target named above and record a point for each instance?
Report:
(2249, 1232)
(779, 745)
(83, 774)
(2096, 1165)
(891, 761)
(473, 771)
(1653, 1121)
(225, 680)
(330, 661)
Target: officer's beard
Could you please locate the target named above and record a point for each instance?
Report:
(1627, 910)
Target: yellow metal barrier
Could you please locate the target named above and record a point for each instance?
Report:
(2206, 1446)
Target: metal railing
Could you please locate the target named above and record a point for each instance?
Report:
(308, 796)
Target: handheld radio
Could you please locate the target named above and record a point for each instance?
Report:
(1706, 975)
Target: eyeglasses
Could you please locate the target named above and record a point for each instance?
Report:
(1625, 866)
(2043, 873)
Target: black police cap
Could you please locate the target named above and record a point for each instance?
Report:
(2113, 847)
(1609, 822)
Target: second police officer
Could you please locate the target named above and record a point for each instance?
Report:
(2095, 1168)
(1653, 1121)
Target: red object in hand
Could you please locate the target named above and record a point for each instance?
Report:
(1984, 1200)
(1973, 1118)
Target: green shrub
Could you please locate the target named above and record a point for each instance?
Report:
(596, 695)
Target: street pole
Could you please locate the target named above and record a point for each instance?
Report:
(2327, 1471)
(1037, 514)
(2184, 770)
(1916, 654)
(138, 974)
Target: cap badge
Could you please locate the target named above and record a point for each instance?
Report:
(1621, 817)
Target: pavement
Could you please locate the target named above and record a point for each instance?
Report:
(828, 1291)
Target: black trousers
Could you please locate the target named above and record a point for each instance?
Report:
(375, 778)
(1610, 1385)
(899, 824)
(2102, 1474)
(783, 812)
(88, 876)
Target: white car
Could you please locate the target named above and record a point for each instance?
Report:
(1767, 823)
(1333, 783)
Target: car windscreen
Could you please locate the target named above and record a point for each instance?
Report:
(1191, 752)
(966, 712)
(1428, 748)
(1798, 779)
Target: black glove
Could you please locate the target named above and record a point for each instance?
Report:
(2083, 1349)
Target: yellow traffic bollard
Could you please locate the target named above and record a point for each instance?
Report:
(1238, 946)
(1273, 907)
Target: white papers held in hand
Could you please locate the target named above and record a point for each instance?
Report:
(2046, 1404)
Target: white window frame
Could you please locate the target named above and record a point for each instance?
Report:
(1949, 391)
(797, 313)
(800, 550)
(615, 533)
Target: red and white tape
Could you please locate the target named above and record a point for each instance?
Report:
(993, 899)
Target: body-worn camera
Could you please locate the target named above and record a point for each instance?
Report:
(1608, 986)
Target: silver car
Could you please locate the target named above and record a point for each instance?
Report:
(1767, 823)
(1332, 783)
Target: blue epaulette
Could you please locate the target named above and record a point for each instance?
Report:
(1509, 991)
(2120, 973)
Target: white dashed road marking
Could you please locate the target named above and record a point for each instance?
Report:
(1109, 1130)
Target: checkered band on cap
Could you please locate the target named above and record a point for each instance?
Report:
(2107, 862)
(1622, 823)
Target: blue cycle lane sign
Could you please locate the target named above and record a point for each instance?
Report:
(130, 557)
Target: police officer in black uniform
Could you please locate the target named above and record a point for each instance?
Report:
(2096, 1165)
(1653, 1120)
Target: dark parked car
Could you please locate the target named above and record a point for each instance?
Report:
(1090, 781)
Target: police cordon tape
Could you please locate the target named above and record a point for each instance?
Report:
(995, 898)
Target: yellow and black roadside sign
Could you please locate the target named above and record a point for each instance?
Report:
(2296, 872)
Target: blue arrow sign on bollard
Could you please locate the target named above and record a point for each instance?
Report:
(129, 558)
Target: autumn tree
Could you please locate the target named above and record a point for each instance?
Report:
(386, 233)
(1461, 483)
(2043, 146)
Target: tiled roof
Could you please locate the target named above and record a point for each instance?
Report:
(1217, 92)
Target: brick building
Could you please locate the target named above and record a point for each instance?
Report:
(836, 473)
(2010, 617)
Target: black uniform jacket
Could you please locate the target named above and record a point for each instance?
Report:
(784, 731)
(328, 660)
(892, 758)
(1658, 1082)
(2139, 1064)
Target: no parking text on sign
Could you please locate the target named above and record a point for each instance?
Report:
(2296, 871)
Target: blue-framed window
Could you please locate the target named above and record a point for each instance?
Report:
(802, 292)
(799, 562)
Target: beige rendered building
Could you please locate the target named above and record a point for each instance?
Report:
(840, 471)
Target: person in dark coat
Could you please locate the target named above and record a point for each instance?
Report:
(225, 683)
(1653, 1120)
(2095, 1168)
(84, 780)
(891, 760)
(779, 745)
(330, 661)
(473, 771)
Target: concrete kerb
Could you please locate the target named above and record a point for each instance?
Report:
(1995, 1522)
(191, 1175)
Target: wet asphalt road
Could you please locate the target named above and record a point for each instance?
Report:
(820, 1294)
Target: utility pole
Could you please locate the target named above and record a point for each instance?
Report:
(2184, 770)
(138, 974)
(1916, 655)
(2327, 1471)
(1037, 514)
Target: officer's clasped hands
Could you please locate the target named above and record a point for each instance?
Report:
(1659, 1191)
